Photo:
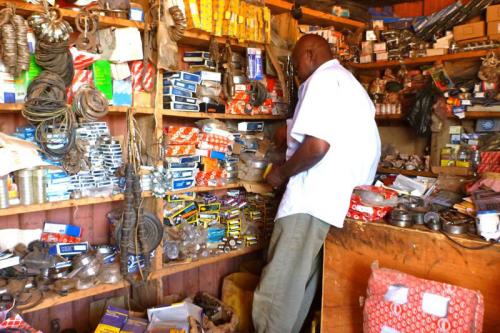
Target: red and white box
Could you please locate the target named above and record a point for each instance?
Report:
(142, 80)
(400, 303)
(182, 135)
(180, 150)
(81, 78)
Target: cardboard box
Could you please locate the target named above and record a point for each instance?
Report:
(493, 28)
(469, 31)
(493, 13)
(382, 56)
(473, 40)
(436, 52)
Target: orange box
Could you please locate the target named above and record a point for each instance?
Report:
(493, 28)
(469, 31)
(493, 13)
(180, 150)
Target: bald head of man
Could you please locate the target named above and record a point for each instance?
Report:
(310, 52)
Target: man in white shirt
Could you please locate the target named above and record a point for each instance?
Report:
(333, 146)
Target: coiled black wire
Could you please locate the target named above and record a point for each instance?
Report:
(89, 103)
(46, 109)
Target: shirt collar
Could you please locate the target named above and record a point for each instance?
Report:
(320, 68)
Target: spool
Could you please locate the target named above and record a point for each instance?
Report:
(25, 186)
(4, 191)
(38, 179)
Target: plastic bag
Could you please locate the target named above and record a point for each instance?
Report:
(167, 48)
(420, 115)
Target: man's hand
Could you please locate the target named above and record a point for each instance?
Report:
(276, 178)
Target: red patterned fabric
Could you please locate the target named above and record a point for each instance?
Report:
(464, 310)
(18, 322)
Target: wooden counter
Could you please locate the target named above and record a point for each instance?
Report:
(349, 253)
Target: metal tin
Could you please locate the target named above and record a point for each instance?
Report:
(38, 186)
(4, 192)
(456, 229)
(400, 223)
(25, 186)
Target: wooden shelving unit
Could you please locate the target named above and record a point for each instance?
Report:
(479, 115)
(406, 172)
(173, 268)
(25, 8)
(22, 209)
(422, 60)
(52, 299)
(204, 115)
(16, 107)
(314, 17)
(390, 117)
(199, 38)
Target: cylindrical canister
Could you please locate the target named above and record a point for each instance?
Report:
(24, 182)
(38, 186)
(4, 192)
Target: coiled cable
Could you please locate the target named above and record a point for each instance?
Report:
(46, 109)
(89, 103)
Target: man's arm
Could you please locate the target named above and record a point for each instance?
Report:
(309, 153)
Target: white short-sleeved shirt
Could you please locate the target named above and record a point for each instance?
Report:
(332, 106)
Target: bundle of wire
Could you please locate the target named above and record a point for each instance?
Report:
(55, 57)
(46, 109)
(89, 103)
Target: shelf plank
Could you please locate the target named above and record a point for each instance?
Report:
(16, 107)
(199, 38)
(406, 172)
(21, 209)
(204, 115)
(173, 268)
(478, 115)
(206, 188)
(422, 60)
(51, 299)
(389, 117)
(311, 16)
(27, 9)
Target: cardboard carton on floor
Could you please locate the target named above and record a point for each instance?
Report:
(469, 31)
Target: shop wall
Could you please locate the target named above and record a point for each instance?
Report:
(418, 8)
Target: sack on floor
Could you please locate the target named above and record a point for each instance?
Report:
(401, 303)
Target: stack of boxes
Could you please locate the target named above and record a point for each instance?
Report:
(214, 147)
(58, 185)
(209, 90)
(180, 156)
(179, 91)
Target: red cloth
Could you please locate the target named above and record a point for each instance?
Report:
(464, 311)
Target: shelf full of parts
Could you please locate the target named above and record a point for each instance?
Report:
(132, 134)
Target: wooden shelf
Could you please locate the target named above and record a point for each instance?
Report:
(201, 39)
(389, 117)
(455, 171)
(51, 299)
(422, 60)
(21, 209)
(68, 14)
(204, 115)
(478, 115)
(16, 107)
(406, 172)
(206, 188)
(314, 17)
(173, 268)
